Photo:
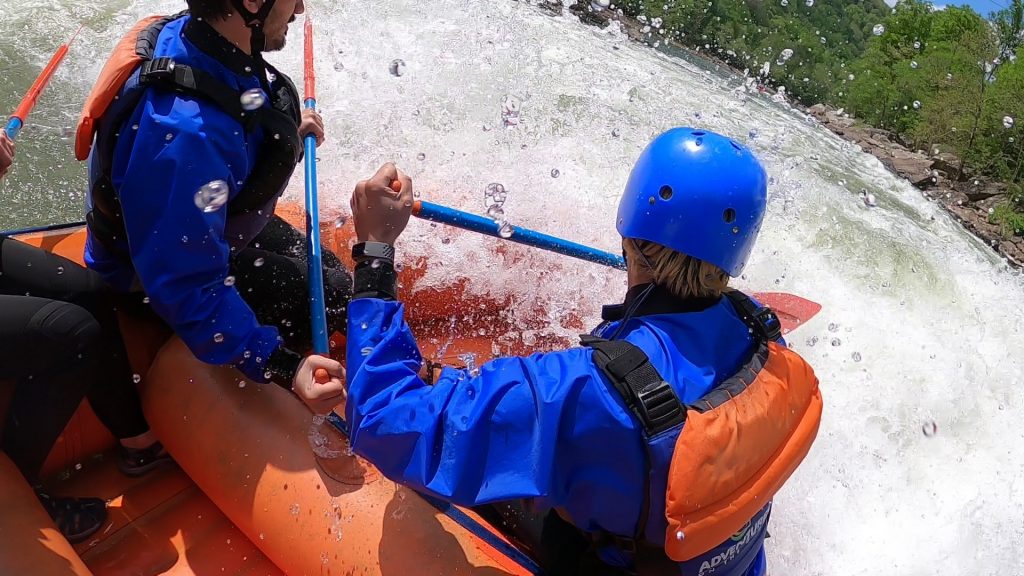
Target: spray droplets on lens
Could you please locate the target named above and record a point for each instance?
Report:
(878, 30)
(913, 64)
(253, 99)
(555, 173)
(510, 108)
(917, 104)
(136, 378)
(1007, 122)
(421, 156)
(506, 230)
(258, 262)
(397, 67)
(218, 337)
(229, 281)
(917, 45)
(784, 56)
(212, 196)
(930, 428)
(495, 212)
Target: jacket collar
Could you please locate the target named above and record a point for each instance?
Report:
(205, 38)
(658, 300)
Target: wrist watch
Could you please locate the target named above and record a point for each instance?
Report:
(365, 251)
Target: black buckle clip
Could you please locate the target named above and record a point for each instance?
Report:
(659, 408)
(769, 323)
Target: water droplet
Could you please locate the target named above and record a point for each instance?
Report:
(812, 341)
(184, 239)
(363, 325)
(421, 156)
(294, 509)
(60, 270)
(837, 342)
(145, 300)
(856, 356)
(822, 40)
(169, 137)
(229, 281)
(253, 99)
(1007, 122)
(784, 56)
(679, 535)
(930, 428)
(917, 45)
(263, 536)
(136, 378)
(752, 134)
(277, 136)
(917, 104)
(212, 196)
(375, 263)
(850, 77)
(218, 337)
(366, 351)
(247, 354)
(615, 133)
(258, 262)
(555, 173)
(506, 230)
(397, 67)
(784, 3)
(878, 30)
(268, 375)
(135, 126)
(913, 64)
(510, 108)
(495, 194)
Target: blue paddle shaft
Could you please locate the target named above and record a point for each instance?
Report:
(481, 225)
(317, 306)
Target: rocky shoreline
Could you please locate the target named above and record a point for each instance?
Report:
(968, 198)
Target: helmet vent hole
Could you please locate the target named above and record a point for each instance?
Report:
(729, 215)
(665, 192)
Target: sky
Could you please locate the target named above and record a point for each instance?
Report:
(982, 7)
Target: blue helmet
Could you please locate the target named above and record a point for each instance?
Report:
(699, 193)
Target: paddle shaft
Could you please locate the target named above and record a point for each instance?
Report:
(316, 276)
(482, 225)
(16, 121)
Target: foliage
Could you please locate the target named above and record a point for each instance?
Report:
(942, 78)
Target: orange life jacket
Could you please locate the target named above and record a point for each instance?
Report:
(733, 449)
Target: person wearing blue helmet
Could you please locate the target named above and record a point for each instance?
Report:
(656, 446)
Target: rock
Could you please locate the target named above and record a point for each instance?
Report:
(818, 110)
(985, 191)
(949, 163)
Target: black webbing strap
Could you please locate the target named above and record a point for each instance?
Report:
(646, 393)
(762, 320)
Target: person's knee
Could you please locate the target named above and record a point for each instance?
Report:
(69, 333)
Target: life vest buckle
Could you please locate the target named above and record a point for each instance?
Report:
(659, 408)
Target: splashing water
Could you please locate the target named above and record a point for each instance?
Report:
(253, 99)
(872, 486)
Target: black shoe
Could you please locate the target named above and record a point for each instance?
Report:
(139, 461)
(76, 518)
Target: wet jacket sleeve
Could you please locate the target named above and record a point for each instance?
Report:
(523, 427)
(173, 147)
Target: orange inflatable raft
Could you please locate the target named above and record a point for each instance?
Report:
(249, 497)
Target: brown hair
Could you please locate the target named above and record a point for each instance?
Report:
(683, 275)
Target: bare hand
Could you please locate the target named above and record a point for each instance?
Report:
(382, 205)
(313, 124)
(6, 153)
(322, 396)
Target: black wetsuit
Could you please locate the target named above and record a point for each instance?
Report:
(59, 343)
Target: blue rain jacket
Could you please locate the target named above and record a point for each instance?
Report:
(170, 147)
(548, 427)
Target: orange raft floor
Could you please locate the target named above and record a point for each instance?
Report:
(222, 510)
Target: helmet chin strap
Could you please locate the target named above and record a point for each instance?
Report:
(257, 38)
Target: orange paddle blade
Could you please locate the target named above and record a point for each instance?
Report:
(791, 309)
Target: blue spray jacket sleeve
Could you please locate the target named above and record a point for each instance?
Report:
(543, 426)
(179, 252)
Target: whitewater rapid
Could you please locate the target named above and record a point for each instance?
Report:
(921, 324)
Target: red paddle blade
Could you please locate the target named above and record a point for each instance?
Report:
(791, 309)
